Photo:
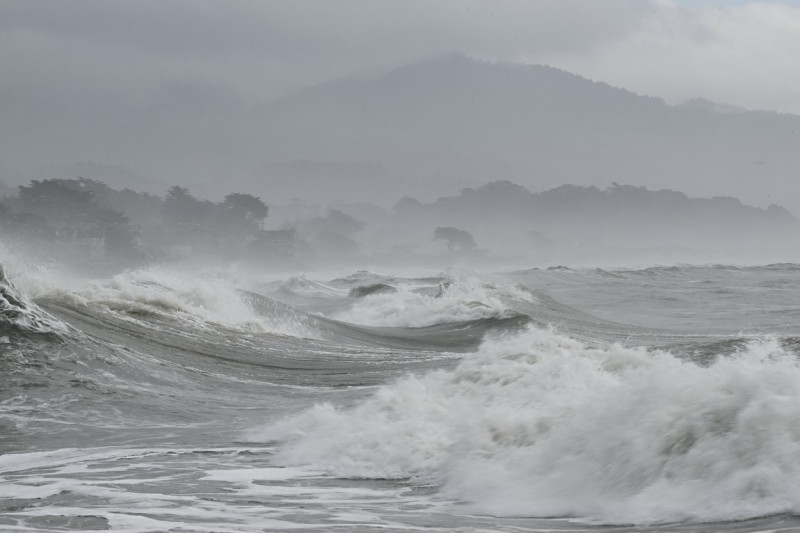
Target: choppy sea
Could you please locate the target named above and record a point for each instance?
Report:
(562, 400)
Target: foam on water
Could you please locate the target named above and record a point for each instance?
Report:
(197, 298)
(19, 314)
(459, 298)
(302, 286)
(138, 490)
(540, 424)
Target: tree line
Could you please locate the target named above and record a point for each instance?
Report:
(80, 221)
(86, 220)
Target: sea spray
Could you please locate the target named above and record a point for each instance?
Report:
(540, 424)
(19, 315)
(144, 412)
(459, 297)
(196, 299)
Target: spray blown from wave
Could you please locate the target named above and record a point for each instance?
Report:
(539, 424)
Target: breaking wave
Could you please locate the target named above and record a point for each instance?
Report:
(457, 298)
(192, 300)
(20, 316)
(541, 424)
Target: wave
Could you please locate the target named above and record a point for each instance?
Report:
(304, 287)
(193, 301)
(456, 298)
(159, 311)
(541, 424)
(20, 317)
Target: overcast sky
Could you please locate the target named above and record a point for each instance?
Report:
(734, 52)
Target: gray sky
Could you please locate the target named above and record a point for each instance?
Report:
(734, 52)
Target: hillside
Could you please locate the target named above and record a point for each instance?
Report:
(419, 130)
(588, 223)
(470, 122)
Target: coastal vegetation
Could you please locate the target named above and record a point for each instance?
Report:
(85, 222)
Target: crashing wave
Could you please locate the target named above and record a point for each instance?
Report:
(540, 424)
(18, 315)
(197, 301)
(457, 298)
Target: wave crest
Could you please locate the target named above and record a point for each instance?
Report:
(540, 424)
(19, 315)
(458, 298)
(193, 300)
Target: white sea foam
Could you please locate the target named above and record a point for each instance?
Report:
(302, 286)
(200, 298)
(18, 311)
(138, 490)
(539, 424)
(460, 298)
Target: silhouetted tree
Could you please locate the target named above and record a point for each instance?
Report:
(71, 213)
(241, 212)
(335, 221)
(455, 238)
(139, 207)
(181, 208)
(62, 206)
(67, 209)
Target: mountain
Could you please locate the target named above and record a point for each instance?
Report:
(616, 224)
(418, 130)
(470, 122)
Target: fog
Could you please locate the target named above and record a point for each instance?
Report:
(86, 227)
(295, 136)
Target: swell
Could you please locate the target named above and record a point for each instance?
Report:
(449, 336)
(417, 306)
(138, 361)
(262, 357)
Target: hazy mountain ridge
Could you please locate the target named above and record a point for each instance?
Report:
(428, 128)
(570, 222)
(469, 122)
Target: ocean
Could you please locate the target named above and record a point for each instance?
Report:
(179, 399)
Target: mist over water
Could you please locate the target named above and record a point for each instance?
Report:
(173, 363)
(339, 267)
(222, 399)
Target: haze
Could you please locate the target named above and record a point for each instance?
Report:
(352, 106)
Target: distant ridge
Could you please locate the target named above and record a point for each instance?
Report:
(469, 122)
(438, 125)
(507, 199)
(506, 216)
